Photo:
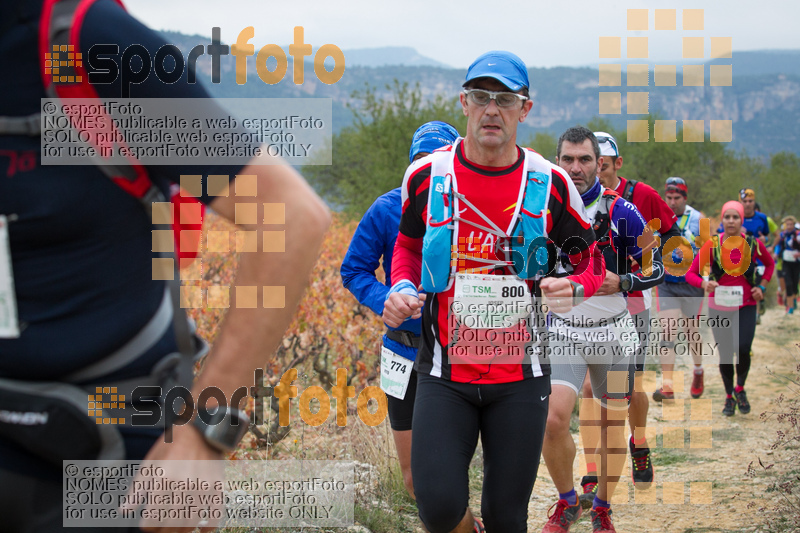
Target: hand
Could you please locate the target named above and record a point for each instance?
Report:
(558, 294)
(610, 285)
(758, 295)
(709, 286)
(189, 458)
(398, 307)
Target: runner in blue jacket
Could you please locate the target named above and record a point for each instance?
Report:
(374, 239)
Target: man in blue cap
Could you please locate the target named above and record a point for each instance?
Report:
(480, 219)
(374, 238)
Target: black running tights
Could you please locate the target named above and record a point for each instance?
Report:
(734, 332)
(510, 419)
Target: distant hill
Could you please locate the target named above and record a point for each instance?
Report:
(764, 62)
(356, 57)
(389, 55)
(745, 63)
(763, 102)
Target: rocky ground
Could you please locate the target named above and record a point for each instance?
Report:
(701, 482)
(701, 457)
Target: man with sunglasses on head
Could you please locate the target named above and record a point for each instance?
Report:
(480, 223)
(755, 222)
(660, 218)
(676, 298)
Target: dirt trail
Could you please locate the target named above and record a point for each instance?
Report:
(700, 462)
(701, 457)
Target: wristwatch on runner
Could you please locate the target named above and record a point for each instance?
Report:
(220, 432)
(577, 293)
(625, 283)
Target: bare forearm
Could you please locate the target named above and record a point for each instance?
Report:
(249, 336)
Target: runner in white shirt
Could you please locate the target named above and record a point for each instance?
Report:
(597, 336)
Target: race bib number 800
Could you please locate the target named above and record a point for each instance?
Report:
(490, 301)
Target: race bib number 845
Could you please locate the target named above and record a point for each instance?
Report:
(729, 296)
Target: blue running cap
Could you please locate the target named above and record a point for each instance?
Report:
(503, 66)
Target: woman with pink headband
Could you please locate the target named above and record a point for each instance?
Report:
(734, 288)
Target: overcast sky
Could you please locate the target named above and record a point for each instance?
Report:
(544, 33)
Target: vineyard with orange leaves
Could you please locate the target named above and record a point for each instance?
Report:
(330, 329)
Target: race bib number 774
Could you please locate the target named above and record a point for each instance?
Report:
(395, 373)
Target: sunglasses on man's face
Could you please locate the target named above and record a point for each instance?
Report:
(482, 97)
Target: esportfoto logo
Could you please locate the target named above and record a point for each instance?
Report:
(53, 61)
(150, 411)
(134, 66)
(96, 405)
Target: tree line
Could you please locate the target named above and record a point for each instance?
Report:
(371, 155)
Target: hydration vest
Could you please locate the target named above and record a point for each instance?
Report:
(602, 226)
(627, 192)
(751, 275)
(683, 225)
(526, 249)
(603, 217)
(65, 77)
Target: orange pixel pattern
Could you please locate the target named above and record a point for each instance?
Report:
(63, 56)
(193, 295)
(692, 46)
(466, 250)
(96, 405)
